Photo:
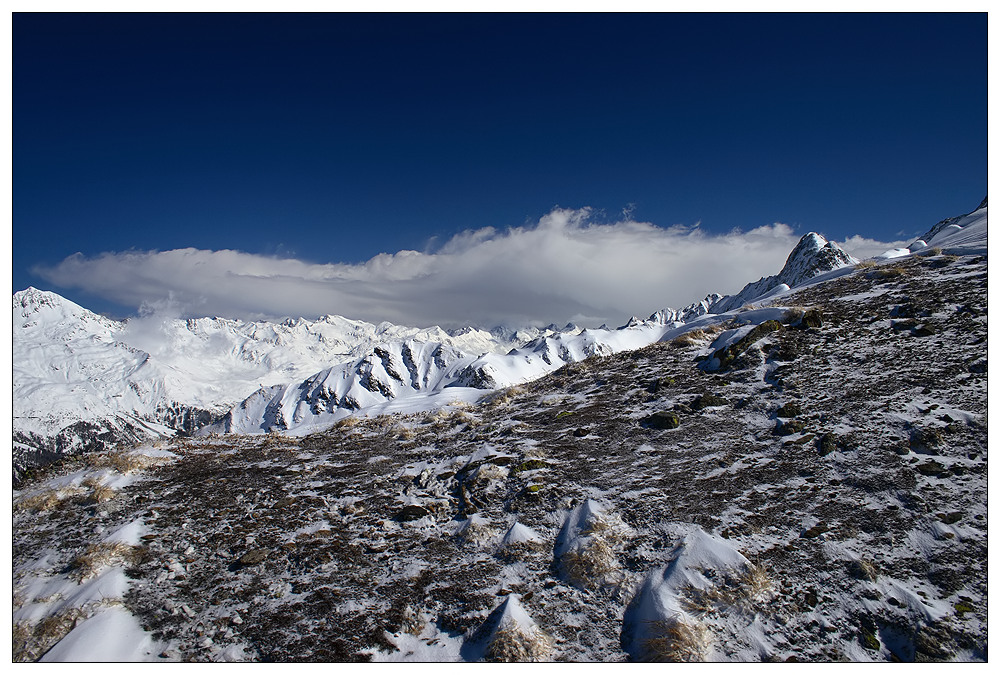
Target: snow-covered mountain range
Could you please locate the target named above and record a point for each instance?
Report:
(83, 381)
(86, 382)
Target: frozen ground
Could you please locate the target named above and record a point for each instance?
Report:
(822, 497)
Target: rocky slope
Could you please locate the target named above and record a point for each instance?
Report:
(801, 482)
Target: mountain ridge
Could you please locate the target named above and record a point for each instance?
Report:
(82, 380)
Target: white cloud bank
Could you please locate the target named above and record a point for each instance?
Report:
(565, 268)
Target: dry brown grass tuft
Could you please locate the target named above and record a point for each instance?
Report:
(462, 417)
(691, 338)
(99, 493)
(123, 462)
(511, 645)
(278, 442)
(741, 592)
(589, 565)
(346, 423)
(894, 272)
(98, 556)
(866, 265)
(697, 336)
(46, 500)
(31, 641)
(503, 397)
(677, 640)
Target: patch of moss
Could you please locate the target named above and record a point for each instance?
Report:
(811, 318)
(564, 413)
(531, 465)
(869, 641)
(662, 420)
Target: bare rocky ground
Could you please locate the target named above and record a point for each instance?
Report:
(847, 463)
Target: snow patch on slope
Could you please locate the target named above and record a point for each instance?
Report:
(960, 235)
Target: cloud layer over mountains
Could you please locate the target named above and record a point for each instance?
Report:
(564, 268)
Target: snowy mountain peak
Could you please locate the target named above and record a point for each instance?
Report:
(813, 255)
(34, 301)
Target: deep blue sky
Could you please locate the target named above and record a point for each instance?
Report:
(334, 137)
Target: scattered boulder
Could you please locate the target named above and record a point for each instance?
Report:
(727, 355)
(662, 420)
(789, 427)
(411, 512)
(790, 409)
(931, 468)
(827, 444)
(708, 401)
(816, 530)
(254, 557)
(950, 518)
(925, 440)
(862, 569)
(811, 318)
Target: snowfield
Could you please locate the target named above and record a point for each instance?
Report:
(798, 479)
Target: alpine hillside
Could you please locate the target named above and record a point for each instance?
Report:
(801, 478)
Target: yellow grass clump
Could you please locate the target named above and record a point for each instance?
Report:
(677, 640)
(512, 645)
(32, 640)
(123, 462)
(46, 500)
(98, 556)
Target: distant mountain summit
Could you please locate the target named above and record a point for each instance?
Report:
(813, 255)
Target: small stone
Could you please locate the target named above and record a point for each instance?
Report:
(708, 401)
(411, 512)
(790, 409)
(789, 427)
(816, 530)
(254, 557)
(950, 518)
(931, 468)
